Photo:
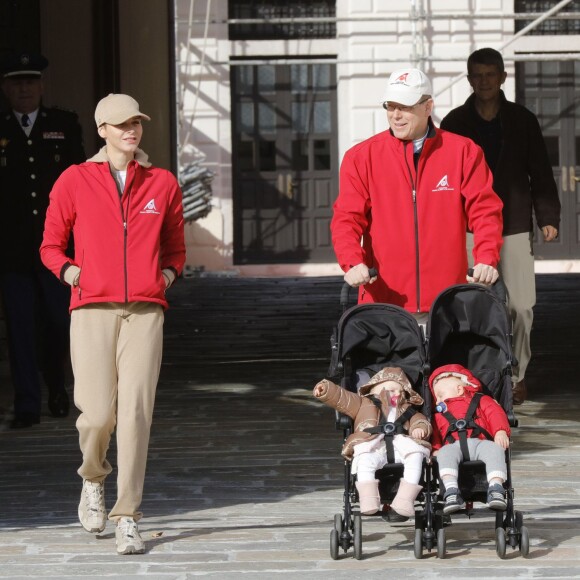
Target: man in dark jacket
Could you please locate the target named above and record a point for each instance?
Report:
(36, 145)
(514, 149)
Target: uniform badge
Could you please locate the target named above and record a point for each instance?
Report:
(57, 158)
(53, 135)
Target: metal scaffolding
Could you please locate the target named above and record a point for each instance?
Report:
(417, 17)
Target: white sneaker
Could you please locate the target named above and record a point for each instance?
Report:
(128, 539)
(92, 512)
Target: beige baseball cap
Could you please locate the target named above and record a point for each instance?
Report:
(115, 109)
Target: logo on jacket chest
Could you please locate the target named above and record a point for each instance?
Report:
(443, 185)
(150, 207)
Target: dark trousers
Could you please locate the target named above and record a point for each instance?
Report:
(38, 325)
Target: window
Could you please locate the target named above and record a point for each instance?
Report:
(269, 10)
(551, 25)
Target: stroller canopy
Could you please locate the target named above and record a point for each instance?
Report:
(373, 336)
(469, 325)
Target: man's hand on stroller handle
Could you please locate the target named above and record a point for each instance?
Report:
(359, 275)
(482, 274)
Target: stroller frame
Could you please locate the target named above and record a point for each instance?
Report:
(430, 520)
(369, 347)
(446, 338)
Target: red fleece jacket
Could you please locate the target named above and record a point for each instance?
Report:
(122, 243)
(413, 222)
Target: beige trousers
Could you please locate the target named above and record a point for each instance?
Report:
(116, 357)
(516, 268)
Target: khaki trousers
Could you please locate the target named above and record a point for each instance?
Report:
(516, 268)
(116, 354)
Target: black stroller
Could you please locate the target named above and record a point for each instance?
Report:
(369, 337)
(469, 325)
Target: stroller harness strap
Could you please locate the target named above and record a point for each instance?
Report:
(390, 429)
(461, 426)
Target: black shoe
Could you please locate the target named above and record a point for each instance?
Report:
(24, 420)
(519, 392)
(393, 517)
(58, 404)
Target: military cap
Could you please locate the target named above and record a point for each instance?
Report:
(22, 64)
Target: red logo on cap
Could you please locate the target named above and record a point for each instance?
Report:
(403, 78)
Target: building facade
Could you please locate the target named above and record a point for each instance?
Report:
(269, 94)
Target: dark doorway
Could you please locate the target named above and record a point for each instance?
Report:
(551, 89)
(285, 162)
(19, 30)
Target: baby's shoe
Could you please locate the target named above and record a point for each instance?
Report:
(404, 502)
(496, 498)
(369, 498)
(453, 501)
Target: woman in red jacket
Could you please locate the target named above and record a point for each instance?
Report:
(458, 397)
(127, 220)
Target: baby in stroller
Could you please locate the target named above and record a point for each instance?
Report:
(388, 428)
(468, 426)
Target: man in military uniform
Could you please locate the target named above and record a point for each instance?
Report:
(36, 145)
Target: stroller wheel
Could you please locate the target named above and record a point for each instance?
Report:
(524, 541)
(500, 542)
(334, 544)
(441, 541)
(418, 543)
(338, 523)
(357, 536)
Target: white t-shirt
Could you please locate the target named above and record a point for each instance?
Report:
(120, 178)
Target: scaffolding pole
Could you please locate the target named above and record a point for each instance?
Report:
(394, 18)
(330, 60)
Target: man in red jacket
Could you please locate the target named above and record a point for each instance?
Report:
(409, 194)
(127, 220)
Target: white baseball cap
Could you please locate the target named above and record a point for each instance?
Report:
(407, 86)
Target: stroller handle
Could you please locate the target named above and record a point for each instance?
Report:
(346, 288)
(498, 287)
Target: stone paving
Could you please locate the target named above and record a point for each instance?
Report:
(244, 475)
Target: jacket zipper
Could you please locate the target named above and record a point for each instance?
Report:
(416, 218)
(80, 291)
(125, 261)
(124, 220)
